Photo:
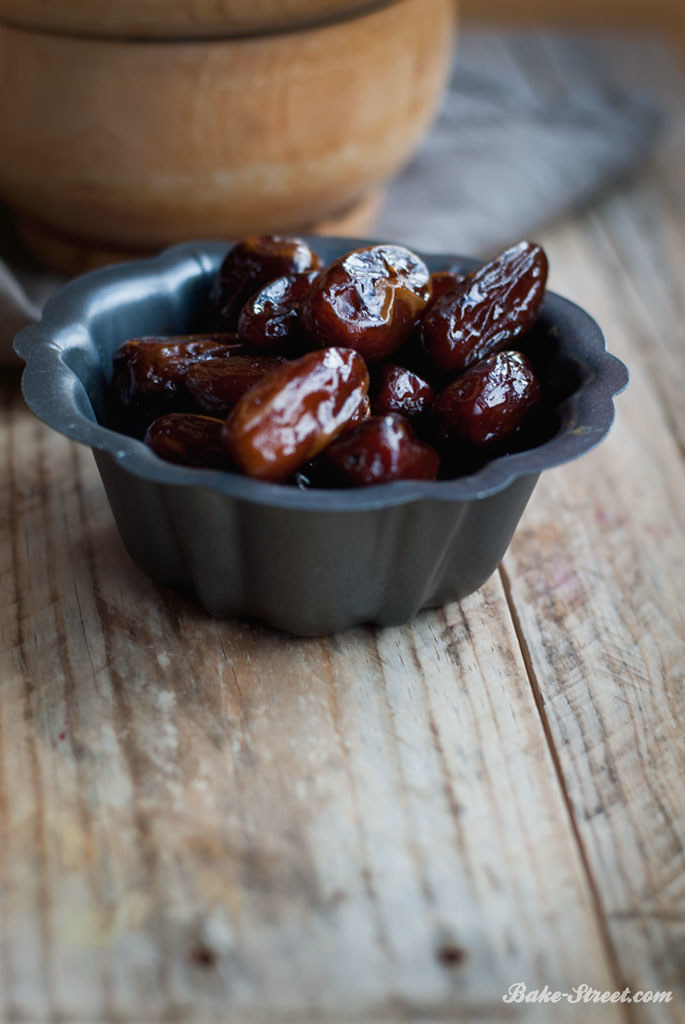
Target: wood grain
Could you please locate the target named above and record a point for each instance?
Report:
(154, 143)
(209, 821)
(223, 816)
(601, 610)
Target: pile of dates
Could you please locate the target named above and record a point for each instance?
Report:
(368, 370)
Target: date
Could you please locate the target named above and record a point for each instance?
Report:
(149, 365)
(442, 281)
(295, 411)
(368, 300)
(488, 402)
(148, 374)
(189, 440)
(487, 310)
(249, 265)
(216, 385)
(270, 319)
(402, 391)
(381, 449)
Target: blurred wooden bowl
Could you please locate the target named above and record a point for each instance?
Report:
(124, 145)
(177, 19)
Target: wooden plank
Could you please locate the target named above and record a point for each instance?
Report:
(595, 578)
(649, 302)
(597, 584)
(206, 820)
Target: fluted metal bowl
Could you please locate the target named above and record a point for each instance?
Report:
(307, 562)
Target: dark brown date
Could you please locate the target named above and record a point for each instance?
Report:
(189, 440)
(251, 264)
(441, 282)
(368, 300)
(487, 310)
(488, 402)
(401, 391)
(216, 385)
(270, 319)
(380, 449)
(295, 411)
(148, 374)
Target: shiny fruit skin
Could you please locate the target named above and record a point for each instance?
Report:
(487, 310)
(189, 440)
(442, 281)
(216, 385)
(381, 449)
(401, 391)
(152, 365)
(488, 402)
(369, 300)
(250, 264)
(270, 319)
(295, 411)
(148, 376)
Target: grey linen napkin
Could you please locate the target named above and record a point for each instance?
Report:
(503, 158)
(24, 288)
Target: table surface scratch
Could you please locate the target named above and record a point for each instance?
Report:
(209, 821)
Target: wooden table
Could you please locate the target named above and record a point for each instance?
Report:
(208, 821)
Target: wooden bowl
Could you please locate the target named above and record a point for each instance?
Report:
(177, 19)
(120, 146)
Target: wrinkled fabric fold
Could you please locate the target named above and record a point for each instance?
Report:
(501, 160)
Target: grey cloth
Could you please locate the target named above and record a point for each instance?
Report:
(505, 155)
(24, 288)
(23, 293)
(504, 159)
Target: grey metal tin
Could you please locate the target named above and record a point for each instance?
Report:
(307, 562)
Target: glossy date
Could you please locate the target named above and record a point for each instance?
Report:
(295, 411)
(442, 281)
(487, 310)
(189, 440)
(368, 300)
(249, 265)
(488, 402)
(270, 319)
(381, 449)
(148, 375)
(143, 366)
(401, 391)
(216, 385)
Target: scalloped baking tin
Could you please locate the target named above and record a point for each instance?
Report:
(307, 562)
